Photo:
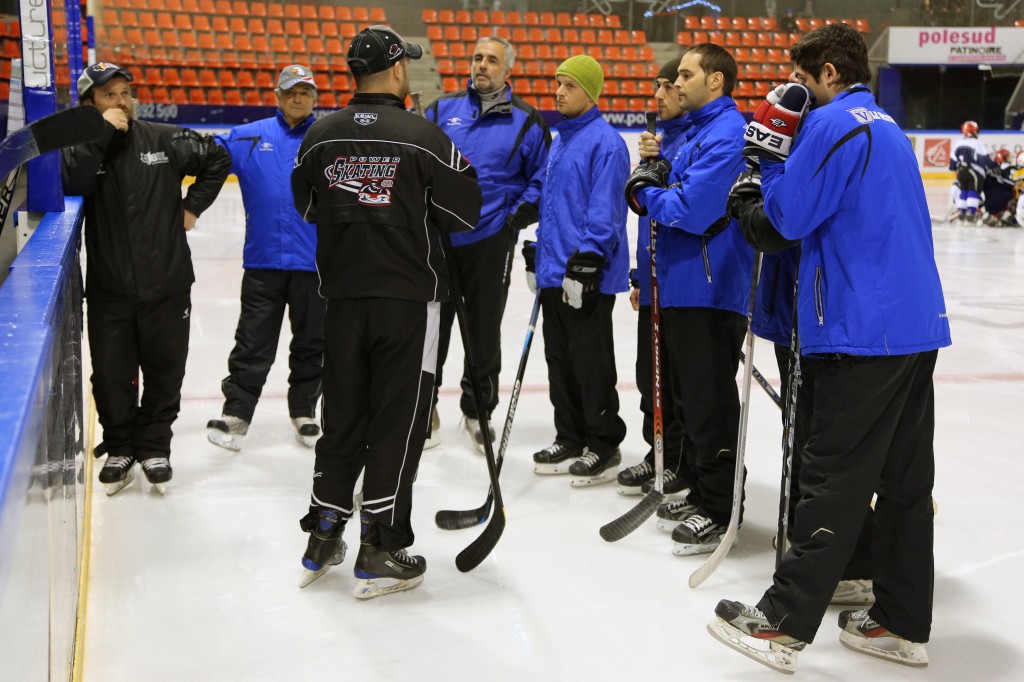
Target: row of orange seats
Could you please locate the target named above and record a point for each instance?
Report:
(243, 8)
(560, 52)
(237, 25)
(218, 59)
(228, 97)
(734, 39)
(514, 18)
(232, 78)
(134, 37)
(537, 35)
(803, 24)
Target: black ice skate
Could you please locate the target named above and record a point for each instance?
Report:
(476, 433)
(158, 472)
(227, 432)
(631, 479)
(307, 431)
(747, 630)
(117, 473)
(555, 459)
(854, 593)
(380, 572)
(325, 547)
(671, 514)
(697, 534)
(673, 485)
(861, 633)
(594, 469)
(434, 439)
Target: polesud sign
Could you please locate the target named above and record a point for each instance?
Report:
(960, 46)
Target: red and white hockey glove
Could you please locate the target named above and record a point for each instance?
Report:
(770, 135)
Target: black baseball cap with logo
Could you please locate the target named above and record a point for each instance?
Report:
(100, 73)
(378, 48)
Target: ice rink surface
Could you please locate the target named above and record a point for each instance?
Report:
(202, 584)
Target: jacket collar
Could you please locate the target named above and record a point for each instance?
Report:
(710, 110)
(504, 107)
(301, 128)
(384, 98)
(569, 126)
(676, 125)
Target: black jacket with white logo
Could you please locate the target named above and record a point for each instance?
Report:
(134, 230)
(379, 182)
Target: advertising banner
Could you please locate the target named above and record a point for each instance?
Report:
(960, 46)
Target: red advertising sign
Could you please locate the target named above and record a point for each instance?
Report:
(936, 153)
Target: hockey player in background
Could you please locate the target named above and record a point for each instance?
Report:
(1018, 189)
(380, 183)
(579, 262)
(871, 318)
(639, 478)
(998, 191)
(970, 160)
(704, 278)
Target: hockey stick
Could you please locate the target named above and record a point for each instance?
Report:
(718, 556)
(634, 518)
(456, 520)
(764, 383)
(67, 128)
(792, 386)
(477, 551)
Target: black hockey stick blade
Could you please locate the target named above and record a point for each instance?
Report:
(634, 518)
(67, 128)
(450, 519)
(477, 551)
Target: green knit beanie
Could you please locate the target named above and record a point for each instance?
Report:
(587, 73)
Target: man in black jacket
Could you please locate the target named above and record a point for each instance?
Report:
(381, 184)
(139, 268)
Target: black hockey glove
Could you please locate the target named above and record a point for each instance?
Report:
(747, 206)
(525, 214)
(582, 279)
(634, 280)
(530, 256)
(650, 174)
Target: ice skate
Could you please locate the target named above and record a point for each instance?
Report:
(745, 629)
(325, 547)
(116, 473)
(379, 572)
(697, 534)
(671, 514)
(593, 469)
(854, 593)
(307, 431)
(434, 439)
(227, 432)
(476, 433)
(673, 485)
(861, 633)
(158, 472)
(631, 479)
(555, 459)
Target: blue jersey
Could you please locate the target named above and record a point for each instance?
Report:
(262, 156)
(696, 271)
(508, 147)
(970, 153)
(581, 207)
(852, 193)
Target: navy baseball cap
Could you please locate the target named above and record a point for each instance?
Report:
(100, 73)
(378, 48)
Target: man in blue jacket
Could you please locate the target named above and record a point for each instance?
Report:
(508, 143)
(280, 270)
(704, 269)
(579, 262)
(639, 478)
(871, 318)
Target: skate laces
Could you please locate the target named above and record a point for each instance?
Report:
(676, 506)
(155, 463)
(698, 523)
(119, 461)
(589, 458)
(753, 612)
(641, 469)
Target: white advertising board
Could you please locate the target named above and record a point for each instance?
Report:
(959, 46)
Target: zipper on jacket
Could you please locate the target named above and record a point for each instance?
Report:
(707, 259)
(819, 303)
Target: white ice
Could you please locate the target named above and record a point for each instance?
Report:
(202, 584)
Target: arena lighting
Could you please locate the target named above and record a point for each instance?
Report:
(676, 8)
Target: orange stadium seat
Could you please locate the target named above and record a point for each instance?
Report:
(308, 12)
(207, 6)
(329, 29)
(222, 7)
(707, 23)
(327, 99)
(691, 23)
(684, 38)
(377, 15)
(546, 19)
(768, 24)
(252, 98)
(256, 9)
(315, 46)
(428, 16)
(333, 46)
(360, 14)
(238, 25)
(531, 18)
(245, 79)
(264, 80)
(215, 98)
(179, 96)
(610, 89)
(470, 34)
(275, 27)
(291, 10)
(161, 96)
(514, 18)
(226, 78)
(260, 43)
(326, 12)
(189, 77)
(232, 97)
(292, 27)
(570, 35)
(196, 96)
(274, 9)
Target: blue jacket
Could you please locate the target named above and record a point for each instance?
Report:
(508, 146)
(773, 310)
(852, 192)
(262, 156)
(581, 206)
(695, 271)
(671, 138)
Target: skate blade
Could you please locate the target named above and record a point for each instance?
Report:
(684, 549)
(775, 656)
(589, 481)
(224, 440)
(667, 525)
(629, 491)
(557, 469)
(307, 441)
(894, 648)
(433, 441)
(369, 588)
(309, 576)
(117, 486)
(160, 488)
